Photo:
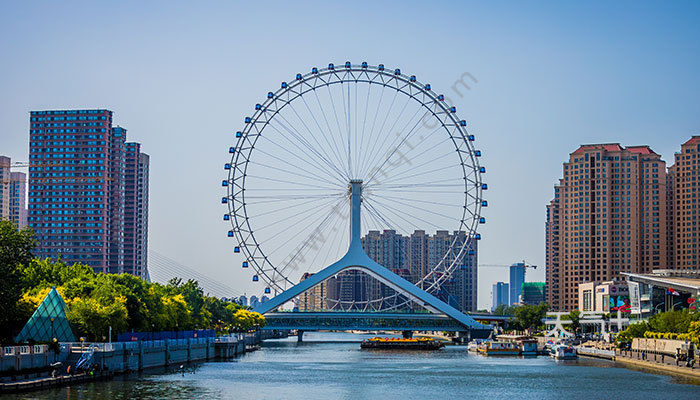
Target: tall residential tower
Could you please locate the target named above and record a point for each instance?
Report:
(608, 216)
(77, 192)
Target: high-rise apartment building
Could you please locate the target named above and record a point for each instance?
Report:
(608, 216)
(412, 257)
(77, 193)
(18, 199)
(136, 211)
(684, 207)
(500, 295)
(5, 180)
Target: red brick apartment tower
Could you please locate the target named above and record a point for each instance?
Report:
(684, 196)
(608, 217)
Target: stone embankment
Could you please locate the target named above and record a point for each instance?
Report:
(26, 368)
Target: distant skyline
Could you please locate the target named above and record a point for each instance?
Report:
(547, 77)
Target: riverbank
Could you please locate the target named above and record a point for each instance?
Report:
(105, 360)
(660, 368)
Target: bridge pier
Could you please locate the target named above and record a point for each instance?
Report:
(407, 334)
(300, 335)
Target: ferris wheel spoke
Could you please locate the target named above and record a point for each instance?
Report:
(310, 149)
(332, 149)
(387, 220)
(310, 131)
(302, 159)
(340, 130)
(397, 180)
(296, 173)
(375, 142)
(278, 223)
(346, 117)
(340, 152)
(429, 183)
(366, 150)
(384, 134)
(417, 113)
(305, 185)
(394, 148)
(296, 253)
(287, 207)
(287, 198)
(398, 212)
(320, 228)
(384, 196)
(289, 127)
(417, 208)
(430, 159)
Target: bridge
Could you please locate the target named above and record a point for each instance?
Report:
(443, 318)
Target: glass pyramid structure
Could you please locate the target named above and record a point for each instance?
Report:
(48, 321)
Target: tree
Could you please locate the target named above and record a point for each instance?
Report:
(673, 321)
(15, 250)
(574, 317)
(530, 316)
(633, 331)
(94, 319)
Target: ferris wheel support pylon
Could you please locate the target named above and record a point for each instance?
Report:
(356, 259)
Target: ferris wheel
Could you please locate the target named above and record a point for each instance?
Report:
(306, 143)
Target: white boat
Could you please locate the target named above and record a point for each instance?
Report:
(502, 348)
(474, 345)
(563, 352)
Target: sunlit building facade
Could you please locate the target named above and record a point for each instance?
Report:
(608, 216)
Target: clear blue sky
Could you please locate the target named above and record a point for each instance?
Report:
(180, 76)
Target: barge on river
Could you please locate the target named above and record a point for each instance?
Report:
(378, 343)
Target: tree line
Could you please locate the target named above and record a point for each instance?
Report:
(98, 301)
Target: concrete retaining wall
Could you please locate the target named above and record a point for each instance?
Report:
(660, 346)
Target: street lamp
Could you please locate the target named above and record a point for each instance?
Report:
(52, 335)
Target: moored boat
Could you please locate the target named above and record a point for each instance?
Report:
(502, 348)
(563, 352)
(474, 345)
(401, 344)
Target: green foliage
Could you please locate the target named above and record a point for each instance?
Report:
(673, 321)
(633, 331)
(97, 301)
(15, 251)
(94, 318)
(530, 316)
(504, 309)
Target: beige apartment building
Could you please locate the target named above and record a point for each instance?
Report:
(683, 210)
(608, 216)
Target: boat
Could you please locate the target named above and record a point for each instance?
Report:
(500, 347)
(377, 343)
(563, 352)
(474, 345)
(527, 344)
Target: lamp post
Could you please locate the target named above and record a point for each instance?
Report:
(52, 335)
(656, 309)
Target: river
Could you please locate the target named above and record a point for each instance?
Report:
(332, 366)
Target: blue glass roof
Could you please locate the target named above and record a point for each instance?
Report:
(40, 328)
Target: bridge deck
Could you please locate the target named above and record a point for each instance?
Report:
(363, 321)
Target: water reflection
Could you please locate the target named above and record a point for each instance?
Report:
(332, 366)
